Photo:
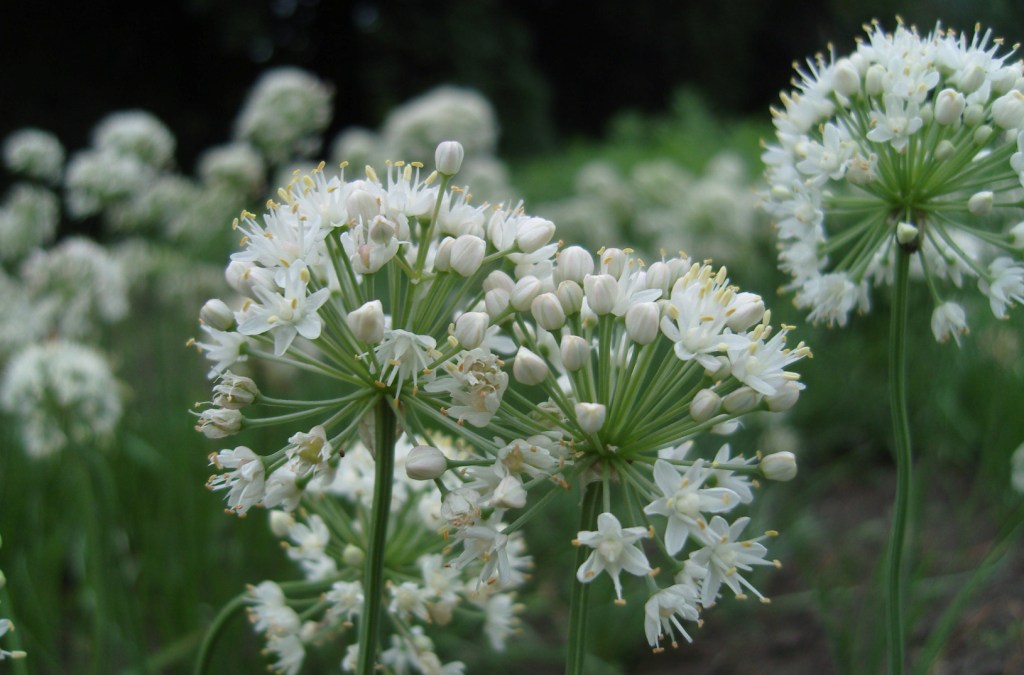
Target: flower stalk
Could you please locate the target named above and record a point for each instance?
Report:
(580, 599)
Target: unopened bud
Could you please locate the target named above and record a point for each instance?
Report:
(974, 115)
(982, 134)
(216, 314)
(496, 302)
(498, 279)
(1008, 110)
(845, 78)
(642, 322)
(534, 233)
(529, 368)
(980, 203)
(590, 416)
(525, 290)
(614, 261)
(972, 77)
(281, 523)
(471, 329)
(575, 352)
(741, 401)
(785, 397)
(448, 157)
(601, 291)
(468, 254)
(443, 256)
(219, 422)
(745, 311)
(570, 294)
(574, 264)
(425, 462)
(509, 493)
(1017, 235)
(547, 311)
(352, 555)
(949, 105)
(907, 234)
(944, 150)
(780, 466)
(874, 80)
(705, 405)
(659, 276)
(367, 322)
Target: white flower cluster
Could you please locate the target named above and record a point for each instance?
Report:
(60, 394)
(34, 154)
(28, 219)
(636, 362)
(423, 591)
(912, 141)
(661, 205)
(284, 114)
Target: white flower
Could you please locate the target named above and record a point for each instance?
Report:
(137, 134)
(403, 354)
(684, 501)
(476, 384)
(243, 479)
(34, 153)
(284, 114)
(615, 550)
(1006, 285)
(949, 320)
(724, 556)
(270, 612)
(661, 610)
(288, 315)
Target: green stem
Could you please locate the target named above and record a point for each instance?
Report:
(213, 634)
(373, 578)
(901, 434)
(578, 604)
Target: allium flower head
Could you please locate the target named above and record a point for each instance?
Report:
(912, 141)
(137, 134)
(60, 394)
(34, 153)
(285, 113)
(28, 219)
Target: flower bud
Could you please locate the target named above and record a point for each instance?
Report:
(498, 279)
(906, 234)
(845, 78)
(780, 466)
(944, 150)
(972, 77)
(525, 290)
(234, 391)
(574, 264)
(367, 322)
(496, 302)
(659, 276)
(468, 254)
(974, 115)
(362, 206)
(352, 556)
(741, 401)
(575, 352)
(744, 311)
(448, 157)
(1017, 235)
(281, 523)
(874, 80)
(614, 261)
(1008, 110)
(382, 231)
(216, 314)
(443, 256)
(219, 422)
(720, 370)
(642, 322)
(471, 329)
(949, 105)
(547, 311)
(601, 291)
(785, 397)
(949, 320)
(590, 416)
(982, 134)
(534, 233)
(705, 405)
(425, 462)
(570, 294)
(529, 368)
(980, 203)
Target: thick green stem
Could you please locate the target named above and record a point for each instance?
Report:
(901, 434)
(373, 578)
(233, 607)
(580, 600)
